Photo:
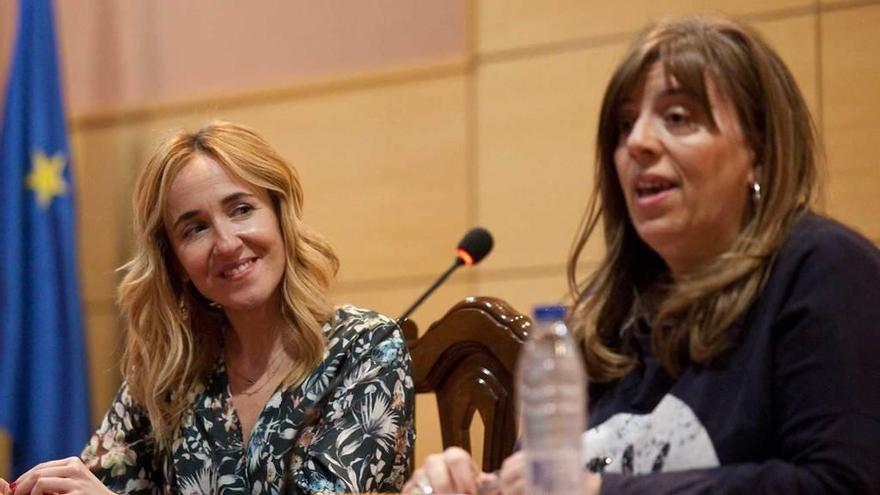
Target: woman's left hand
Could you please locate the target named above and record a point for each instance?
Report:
(68, 476)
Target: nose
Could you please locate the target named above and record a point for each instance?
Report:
(642, 142)
(227, 242)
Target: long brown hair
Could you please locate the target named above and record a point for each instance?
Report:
(691, 322)
(174, 337)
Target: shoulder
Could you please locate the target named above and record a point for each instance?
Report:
(821, 238)
(820, 248)
(349, 319)
(825, 272)
(351, 325)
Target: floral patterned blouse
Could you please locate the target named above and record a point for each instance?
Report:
(361, 441)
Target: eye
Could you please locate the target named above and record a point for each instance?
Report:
(625, 123)
(193, 229)
(677, 116)
(242, 209)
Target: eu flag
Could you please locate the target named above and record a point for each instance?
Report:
(43, 383)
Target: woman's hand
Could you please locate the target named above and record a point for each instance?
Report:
(453, 471)
(4, 487)
(512, 476)
(68, 476)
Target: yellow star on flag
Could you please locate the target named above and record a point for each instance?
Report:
(45, 177)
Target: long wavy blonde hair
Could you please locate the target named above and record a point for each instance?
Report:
(695, 312)
(174, 337)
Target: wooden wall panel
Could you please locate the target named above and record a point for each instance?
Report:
(536, 125)
(527, 291)
(851, 102)
(511, 24)
(794, 38)
(105, 345)
(838, 3)
(105, 160)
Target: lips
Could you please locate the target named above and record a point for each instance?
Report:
(652, 186)
(233, 270)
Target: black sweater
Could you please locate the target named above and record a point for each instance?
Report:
(792, 407)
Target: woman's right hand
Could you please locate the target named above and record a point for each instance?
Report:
(453, 471)
(63, 476)
(4, 487)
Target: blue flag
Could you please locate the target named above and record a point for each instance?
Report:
(43, 381)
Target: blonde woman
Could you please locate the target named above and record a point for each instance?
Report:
(232, 344)
(730, 334)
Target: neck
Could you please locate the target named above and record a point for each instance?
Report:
(688, 253)
(253, 337)
(681, 265)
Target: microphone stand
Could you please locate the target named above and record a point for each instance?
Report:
(457, 263)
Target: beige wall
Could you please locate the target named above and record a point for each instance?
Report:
(398, 160)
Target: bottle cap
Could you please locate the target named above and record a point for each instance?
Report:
(549, 313)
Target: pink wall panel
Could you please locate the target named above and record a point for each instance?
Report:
(135, 52)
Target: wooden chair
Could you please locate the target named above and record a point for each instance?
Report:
(468, 359)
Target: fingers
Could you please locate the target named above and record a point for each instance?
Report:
(49, 480)
(410, 484)
(437, 474)
(59, 476)
(453, 471)
(68, 461)
(488, 484)
(460, 471)
(51, 486)
(512, 477)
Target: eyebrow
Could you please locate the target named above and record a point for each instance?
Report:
(188, 215)
(678, 91)
(673, 91)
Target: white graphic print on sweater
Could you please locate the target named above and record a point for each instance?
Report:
(670, 438)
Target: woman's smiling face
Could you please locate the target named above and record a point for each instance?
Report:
(225, 236)
(685, 171)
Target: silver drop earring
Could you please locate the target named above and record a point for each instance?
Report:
(756, 192)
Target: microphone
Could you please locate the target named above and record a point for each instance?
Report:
(472, 248)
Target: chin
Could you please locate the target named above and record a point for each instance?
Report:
(245, 302)
(657, 234)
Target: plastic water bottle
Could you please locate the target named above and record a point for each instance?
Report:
(551, 386)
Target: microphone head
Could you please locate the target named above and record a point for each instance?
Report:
(474, 246)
